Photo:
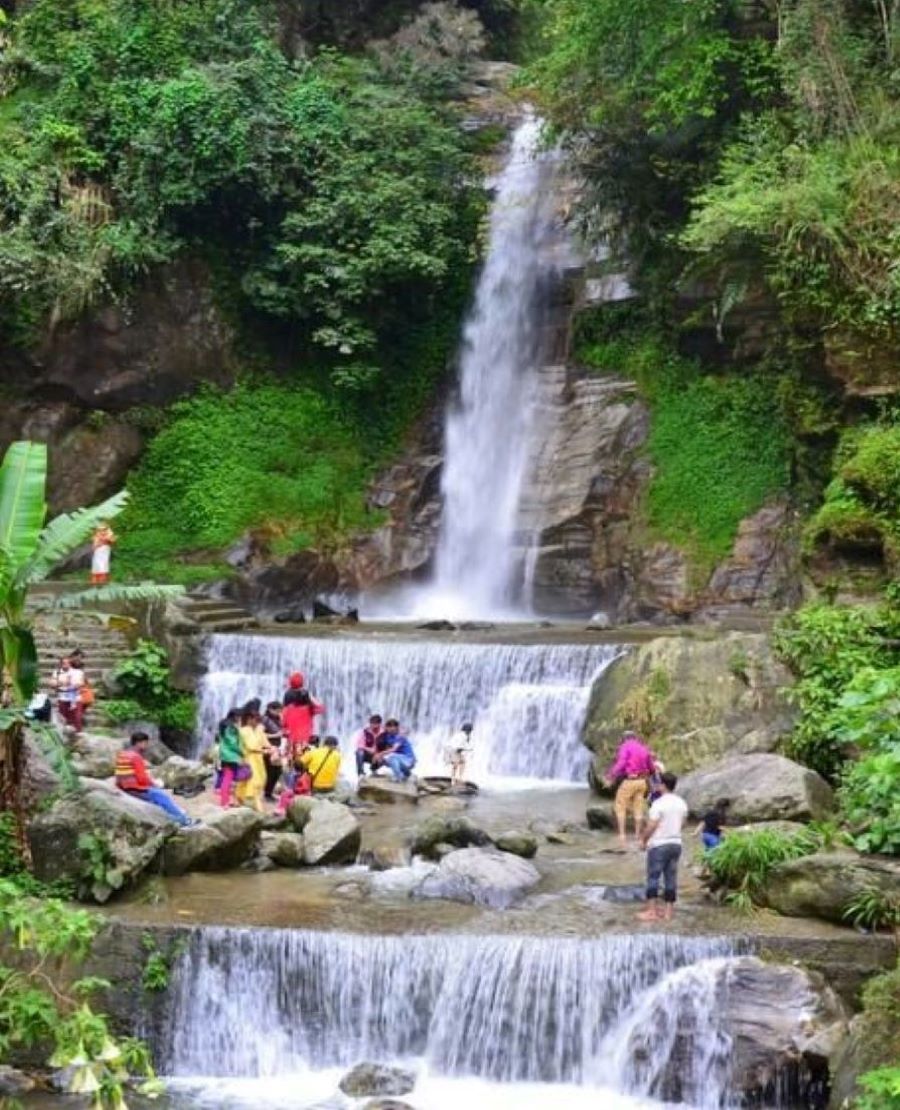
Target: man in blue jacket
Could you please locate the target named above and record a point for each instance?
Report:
(396, 752)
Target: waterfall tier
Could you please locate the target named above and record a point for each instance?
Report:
(527, 703)
(632, 1014)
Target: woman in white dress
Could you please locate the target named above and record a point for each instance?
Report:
(103, 541)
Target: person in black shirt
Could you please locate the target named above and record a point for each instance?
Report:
(710, 829)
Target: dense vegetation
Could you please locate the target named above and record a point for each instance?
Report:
(744, 157)
(330, 196)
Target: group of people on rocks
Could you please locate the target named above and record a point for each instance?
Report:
(637, 775)
(275, 755)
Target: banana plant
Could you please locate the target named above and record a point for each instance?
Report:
(31, 548)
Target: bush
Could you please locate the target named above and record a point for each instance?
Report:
(828, 647)
(742, 863)
(264, 456)
(144, 677)
(870, 799)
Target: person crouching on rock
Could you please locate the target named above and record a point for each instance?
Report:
(133, 778)
(366, 744)
(632, 768)
(395, 752)
(662, 839)
(711, 828)
(323, 765)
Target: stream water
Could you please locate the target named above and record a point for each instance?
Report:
(527, 702)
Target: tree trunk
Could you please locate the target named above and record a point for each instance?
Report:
(12, 759)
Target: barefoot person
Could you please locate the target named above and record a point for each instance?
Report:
(662, 839)
(632, 769)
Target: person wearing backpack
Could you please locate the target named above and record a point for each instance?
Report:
(299, 712)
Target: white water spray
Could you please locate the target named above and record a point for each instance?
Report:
(505, 1010)
(527, 703)
(490, 431)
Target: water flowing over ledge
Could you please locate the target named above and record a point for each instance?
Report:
(527, 702)
(636, 1015)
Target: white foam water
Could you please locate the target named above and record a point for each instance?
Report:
(489, 1021)
(527, 702)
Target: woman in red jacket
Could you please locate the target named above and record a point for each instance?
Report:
(299, 713)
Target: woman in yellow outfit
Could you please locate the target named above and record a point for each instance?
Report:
(253, 746)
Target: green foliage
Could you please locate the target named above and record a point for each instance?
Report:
(132, 131)
(145, 678)
(870, 800)
(158, 966)
(862, 503)
(263, 456)
(881, 1089)
(742, 863)
(12, 868)
(827, 647)
(37, 1013)
(875, 909)
(720, 445)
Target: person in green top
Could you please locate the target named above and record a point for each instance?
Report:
(229, 741)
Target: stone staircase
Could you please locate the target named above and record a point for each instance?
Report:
(215, 614)
(104, 645)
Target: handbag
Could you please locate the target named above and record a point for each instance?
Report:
(86, 694)
(244, 773)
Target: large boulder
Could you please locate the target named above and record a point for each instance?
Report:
(94, 757)
(99, 837)
(366, 1080)
(178, 773)
(760, 787)
(331, 834)
(459, 832)
(226, 838)
(283, 848)
(482, 876)
(378, 789)
(783, 1021)
(695, 700)
(825, 884)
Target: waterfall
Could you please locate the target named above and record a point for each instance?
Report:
(490, 431)
(622, 1012)
(527, 702)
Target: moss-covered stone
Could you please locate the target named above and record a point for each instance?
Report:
(694, 700)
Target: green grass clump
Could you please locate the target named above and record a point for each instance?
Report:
(264, 456)
(719, 444)
(742, 863)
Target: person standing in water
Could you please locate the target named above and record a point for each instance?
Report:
(662, 839)
(632, 769)
(457, 754)
(102, 543)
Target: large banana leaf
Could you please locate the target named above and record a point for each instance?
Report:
(20, 660)
(101, 595)
(23, 481)
(65, 534)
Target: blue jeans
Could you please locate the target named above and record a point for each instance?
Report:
(662, 863)
(711, 840)
(158, 797)
(401, 766)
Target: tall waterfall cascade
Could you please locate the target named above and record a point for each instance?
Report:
(491, 431)
(634, 1016)
(527, 702)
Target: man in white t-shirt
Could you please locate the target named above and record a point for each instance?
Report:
(662, 839)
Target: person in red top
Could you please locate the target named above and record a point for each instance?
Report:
(299, 713)
(133, 777)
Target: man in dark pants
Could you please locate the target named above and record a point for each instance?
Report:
(662, 839)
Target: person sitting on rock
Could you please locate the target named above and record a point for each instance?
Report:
(632, 768)
(323, 765)
(134, 779)
(395, 752)
(366, 744)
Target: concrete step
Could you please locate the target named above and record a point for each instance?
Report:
(235, 624)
